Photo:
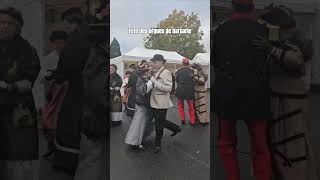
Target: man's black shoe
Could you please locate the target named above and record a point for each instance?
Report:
(205, 124)
(176, 132)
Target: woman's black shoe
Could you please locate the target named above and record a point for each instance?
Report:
(157, 149)
(49, 153)
(141, 147)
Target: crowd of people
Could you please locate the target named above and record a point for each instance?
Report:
(145, 95)
(262, 76)
(74, 113)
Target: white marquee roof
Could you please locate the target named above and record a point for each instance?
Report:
(138, 54)
(202, 58)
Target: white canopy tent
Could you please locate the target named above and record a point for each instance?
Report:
(138, 54)
(143, 53)
(204, 60)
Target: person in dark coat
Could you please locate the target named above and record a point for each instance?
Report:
(71, 63)
(58, 39)
(185, 91)
(19, 67)
(115, 96)
(241, 90)
(93, 158)
(132, 85)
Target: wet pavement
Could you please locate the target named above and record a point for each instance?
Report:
(46, 170)
(183, 157)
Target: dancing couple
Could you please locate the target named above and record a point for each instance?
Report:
(152, 97)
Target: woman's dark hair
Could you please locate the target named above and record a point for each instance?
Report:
(197, 66)
(115, 66)
(281, 16)
(58, 35)
(73, 15)
(133, 66)
(128, 72)
(14, 13)
(242, 8)
(143, 61)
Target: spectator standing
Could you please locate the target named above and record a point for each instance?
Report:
(185, 91)
(19, 67)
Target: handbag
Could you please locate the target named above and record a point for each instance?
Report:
(22, 117)
(116, 105)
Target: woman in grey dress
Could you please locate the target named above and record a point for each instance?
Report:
(142, 124)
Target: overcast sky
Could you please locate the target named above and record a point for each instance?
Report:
(147, 14)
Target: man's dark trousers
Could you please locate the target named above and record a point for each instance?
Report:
(161, 123)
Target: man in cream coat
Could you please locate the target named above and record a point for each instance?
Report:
(161, 84)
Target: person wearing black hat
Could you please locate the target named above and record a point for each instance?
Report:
(241, 89)
(19, 67)
(160, 101)
(85, 40)
(290, 74)
(94, 143)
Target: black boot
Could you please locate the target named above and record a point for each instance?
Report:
(176, 132)
(157, 148)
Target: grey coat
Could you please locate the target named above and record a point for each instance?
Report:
(142, 124)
